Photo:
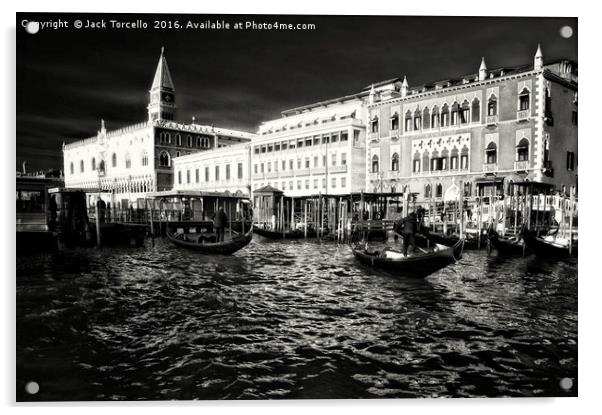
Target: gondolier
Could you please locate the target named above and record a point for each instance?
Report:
(219, 223)
(407, 228)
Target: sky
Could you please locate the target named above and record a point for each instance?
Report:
(69, 79)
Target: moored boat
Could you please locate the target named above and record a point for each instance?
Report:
(288, 234)
(202, 243)
(470, 240)
(508, 244)
(420, 264)
(549, 244)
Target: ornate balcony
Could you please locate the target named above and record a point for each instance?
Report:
(394, 134)
(374, 137)
(392, 174)
(523, 115)
(491, 120)
(521, 165)
(489, 168)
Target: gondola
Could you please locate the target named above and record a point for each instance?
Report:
(470, 241)
(549, 245)
(214, 248)
(507, 244)
(290, 234)
(418, 265)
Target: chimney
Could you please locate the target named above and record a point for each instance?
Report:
(404, 87)
(538, 59)
(482, 70)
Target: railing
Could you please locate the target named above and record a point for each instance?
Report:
(392, 174)
(394, 134)
(288, 173)
(522, 165)
(490, 167)
(522, 115)
(374, 136)
(338, 169)
(271, 175)
(318, 170)
(491, 120)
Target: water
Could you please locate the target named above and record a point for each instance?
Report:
(290, 320)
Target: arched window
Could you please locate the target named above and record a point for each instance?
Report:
(114, 160)
(128, 161)
(453, 160)
(408, 121)
(426, 118)
(492, 106)
(465, 113)
(476, 110)
(101, 166)
(491, 153)
(145, 159)
(375, 164)
(395, 121)
(395, 162)
(417, 120)
(168, 138)
(416, 163)
(445, 116)
(428, 193)
(439, 190)
(81, 166)
(455, 109)
(178, 139)
(522, 150)
(189, 140)
(93, 163)
(164, 159)
(467, 189)
(464, 158)
(435, 117)
(198, 141)
(425, 161)
(71, 169)
(374, 124)
(524, 99)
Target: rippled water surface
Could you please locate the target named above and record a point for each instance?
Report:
(290, 320)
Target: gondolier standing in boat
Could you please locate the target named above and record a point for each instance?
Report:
(408, 227)
(220, 221)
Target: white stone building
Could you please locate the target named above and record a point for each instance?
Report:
(225, 170)
(137, 159)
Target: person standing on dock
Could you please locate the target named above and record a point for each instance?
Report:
(220, 221)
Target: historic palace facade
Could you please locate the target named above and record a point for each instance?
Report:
(494, 126)
(132, 161)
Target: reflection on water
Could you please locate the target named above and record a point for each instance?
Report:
(290, 320)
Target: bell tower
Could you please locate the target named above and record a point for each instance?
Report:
(162, 104)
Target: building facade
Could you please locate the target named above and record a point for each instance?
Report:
(500, 126)
(137, 159)
(224, 170)
(315, 149)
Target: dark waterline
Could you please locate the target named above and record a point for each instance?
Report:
(290, 320)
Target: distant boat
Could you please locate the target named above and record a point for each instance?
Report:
(196, 242)
(549, 244)
(289, 234)
(418, 265)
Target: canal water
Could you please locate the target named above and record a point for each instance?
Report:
(290, 320)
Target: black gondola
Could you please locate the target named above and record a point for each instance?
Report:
(194, 242)
(470, 241)
(418, 265)
(290, 234)
(507, 244)
(548, 245)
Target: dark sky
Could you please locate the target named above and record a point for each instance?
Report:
(68, 79)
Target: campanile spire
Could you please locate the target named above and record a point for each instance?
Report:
(162, 105)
